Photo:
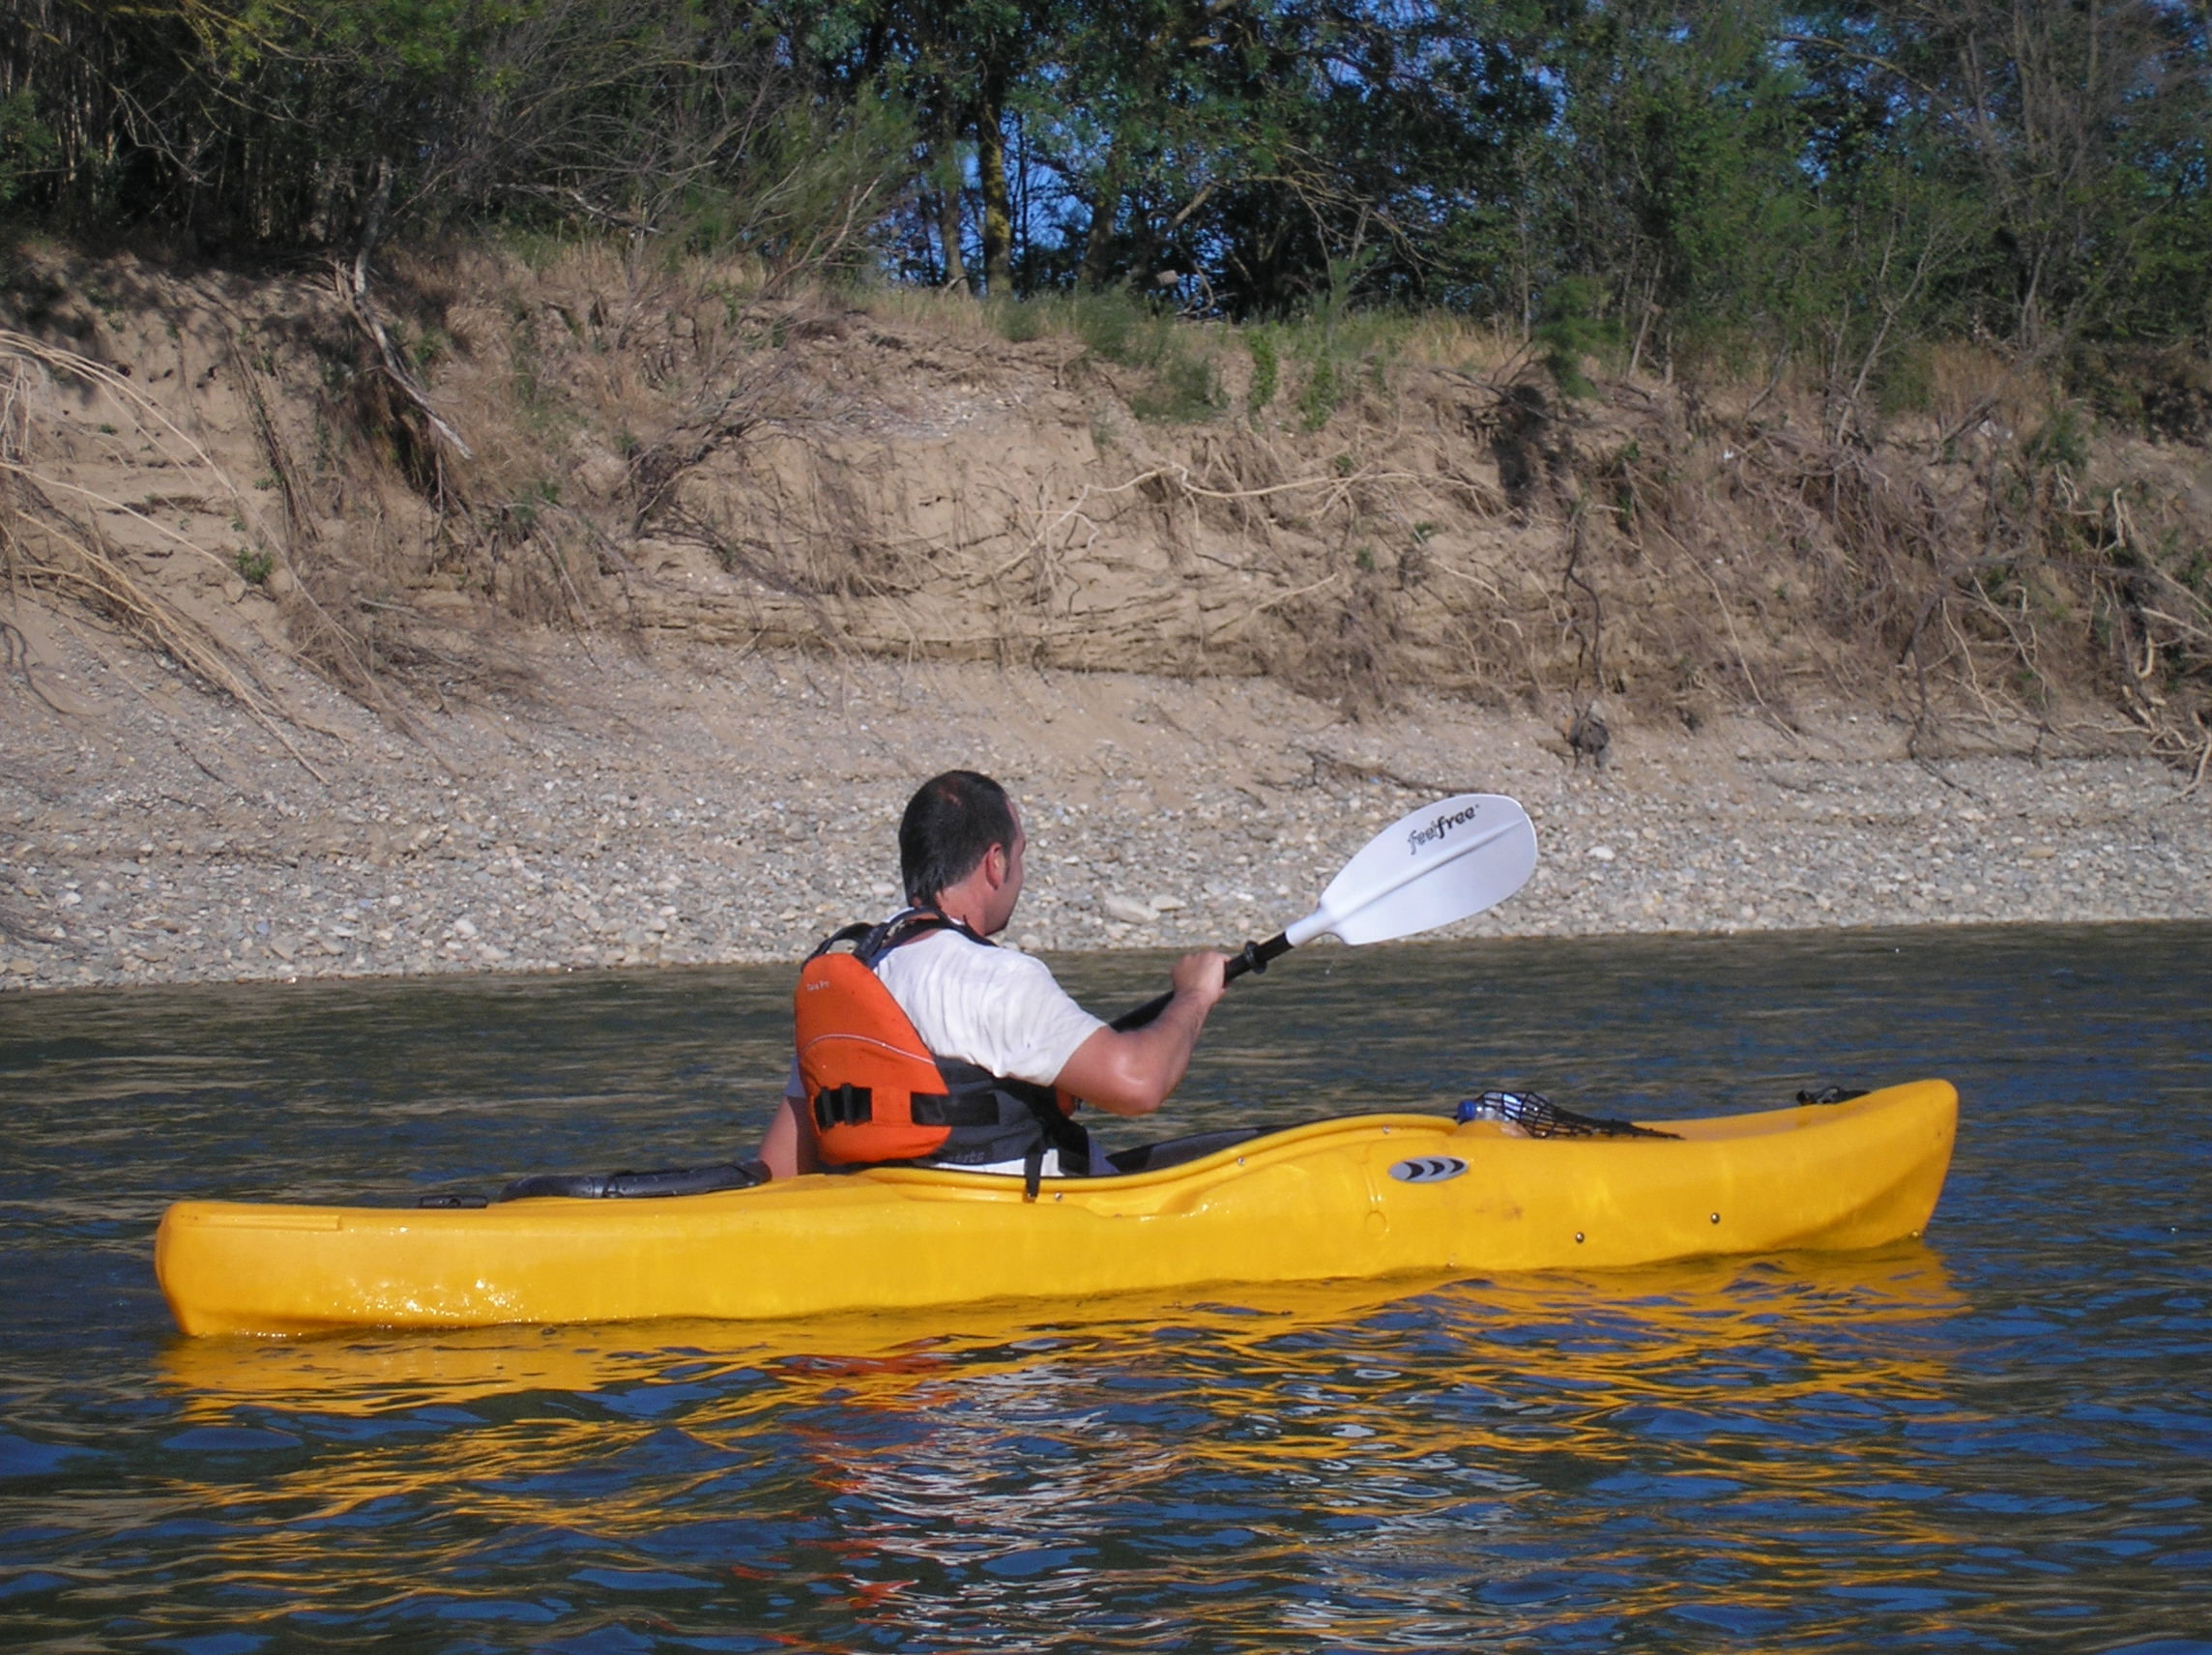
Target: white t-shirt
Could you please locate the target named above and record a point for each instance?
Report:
(992, 1007)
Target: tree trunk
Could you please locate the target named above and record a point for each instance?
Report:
(1091, 275)
(371, 226)
(948, 238)
(948, 232)
(991, 173)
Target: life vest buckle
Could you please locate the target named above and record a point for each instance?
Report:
(845, 1105)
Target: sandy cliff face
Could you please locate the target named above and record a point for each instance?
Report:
(925, 489)
(399, 490)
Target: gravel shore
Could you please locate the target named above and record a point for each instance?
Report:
(643, 808)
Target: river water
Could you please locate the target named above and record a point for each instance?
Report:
(2000, 1438)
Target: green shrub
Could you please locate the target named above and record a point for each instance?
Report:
(1019, 320)
(1267, 367)
(2062, 440)
(1571, 330)
(1182, 383)
(27, 145)
(1115, 326)
(1907, 384)
(1185, 390)
(1340, 347)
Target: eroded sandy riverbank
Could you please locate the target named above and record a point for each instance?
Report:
(640, 808)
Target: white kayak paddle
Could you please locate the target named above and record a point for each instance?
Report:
(1444, 863)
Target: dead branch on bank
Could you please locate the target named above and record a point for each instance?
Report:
(47, 545)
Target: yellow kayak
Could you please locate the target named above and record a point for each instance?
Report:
(1362, 1197)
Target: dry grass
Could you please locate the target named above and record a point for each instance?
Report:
(1992, 586)
(1437, 340)
(938, 311)
(1970, 384)
(51, 533)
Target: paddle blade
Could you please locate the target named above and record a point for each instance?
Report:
(1444, 863)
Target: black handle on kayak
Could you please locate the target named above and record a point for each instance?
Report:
(1252, 957)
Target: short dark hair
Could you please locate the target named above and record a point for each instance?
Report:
(949, 826)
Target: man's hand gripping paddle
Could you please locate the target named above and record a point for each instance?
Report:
(1444, 863)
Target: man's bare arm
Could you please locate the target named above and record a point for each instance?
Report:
(789, 1146)
(1132, 1073)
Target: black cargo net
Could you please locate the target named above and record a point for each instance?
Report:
(1540, 1117)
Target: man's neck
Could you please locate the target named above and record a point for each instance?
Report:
(967, 913)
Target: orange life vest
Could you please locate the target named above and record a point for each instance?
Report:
(879, 1094)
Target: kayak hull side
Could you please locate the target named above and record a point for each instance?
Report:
(1313, 1204)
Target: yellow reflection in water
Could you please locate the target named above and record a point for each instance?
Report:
(1701, 1307)
(1389, 1428)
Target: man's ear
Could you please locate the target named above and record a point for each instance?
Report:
(996, 863)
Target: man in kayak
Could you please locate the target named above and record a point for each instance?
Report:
(1007, 1051)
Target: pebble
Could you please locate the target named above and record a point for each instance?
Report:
(179, 842)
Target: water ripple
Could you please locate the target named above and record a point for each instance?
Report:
(1995, 1441)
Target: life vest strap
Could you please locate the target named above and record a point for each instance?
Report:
(855, 933)
(849, 1105)
(873, 941)
(941, 1109)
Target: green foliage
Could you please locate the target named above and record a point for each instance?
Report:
(255, 567)
(1323, 392)
(681, 123)
(1178, 381)
(1181, 385)
(809, 175)
(1114, 328)
(1185, 390)
(1266, 368)
(1018, 320)
(1736, 184)
(2062, 439)
(1676, 187)
(27, 146)
(1340, 345)
(1570, 331)
(1907, 385)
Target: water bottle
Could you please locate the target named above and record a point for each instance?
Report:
(1511, 1107)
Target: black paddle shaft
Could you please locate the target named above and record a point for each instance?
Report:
(1252, 957)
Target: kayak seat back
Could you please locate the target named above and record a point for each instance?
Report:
(1175, 1151)
(662, 1182)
